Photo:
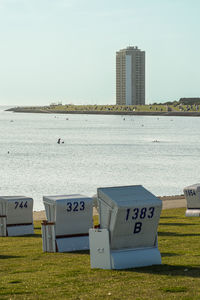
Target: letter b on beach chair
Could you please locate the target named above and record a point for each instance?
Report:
(127, 237)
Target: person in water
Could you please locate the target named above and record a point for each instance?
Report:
(58, 141)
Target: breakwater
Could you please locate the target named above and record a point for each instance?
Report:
(106, 112)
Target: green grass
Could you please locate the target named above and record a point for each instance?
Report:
(28, 273)
(152, 108)
(111, 108)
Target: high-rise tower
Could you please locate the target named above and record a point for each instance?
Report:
(130, 76)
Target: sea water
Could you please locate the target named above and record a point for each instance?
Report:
(160, 153)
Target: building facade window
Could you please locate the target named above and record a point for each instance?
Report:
(130, 76)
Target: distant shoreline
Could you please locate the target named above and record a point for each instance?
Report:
(88, 112)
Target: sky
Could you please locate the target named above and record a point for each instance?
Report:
(64, 50)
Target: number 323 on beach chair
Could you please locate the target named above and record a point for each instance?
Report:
(16, 215)
(69, 218)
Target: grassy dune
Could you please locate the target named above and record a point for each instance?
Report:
(28, 273)
(158, 109)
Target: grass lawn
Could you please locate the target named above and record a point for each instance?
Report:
(28, 273)
(106, 108)
(70, 108)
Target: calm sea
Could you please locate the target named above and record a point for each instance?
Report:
(161, 153)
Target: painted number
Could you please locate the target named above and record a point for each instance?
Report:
(135, 213)
(142, 213)
(151, 212)
(190, 193)
(21, 204)
(75, 206)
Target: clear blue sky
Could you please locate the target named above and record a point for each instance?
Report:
(64, 50)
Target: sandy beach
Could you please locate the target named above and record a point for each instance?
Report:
(168, 202)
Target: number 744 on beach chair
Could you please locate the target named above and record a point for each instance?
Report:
(16, 216)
